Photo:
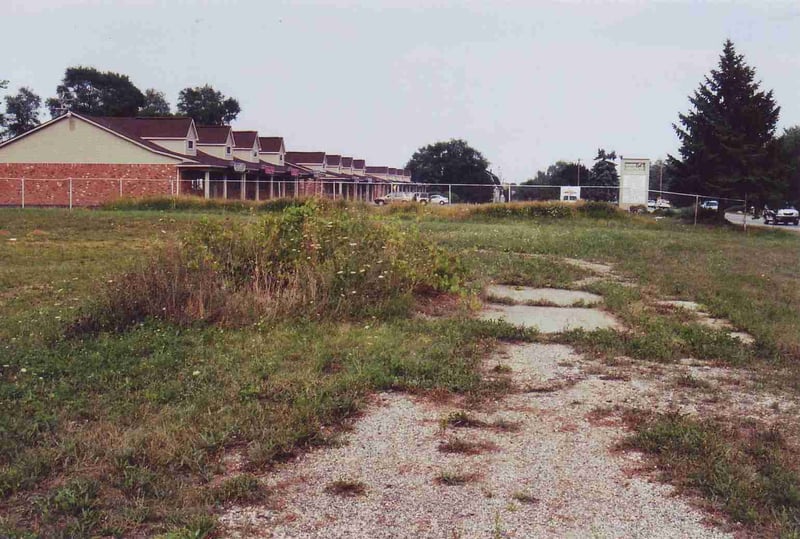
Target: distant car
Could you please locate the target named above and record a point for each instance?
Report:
(788, 215)
(651, 205)
(439, 199)
(406, 196)
(663, 204)
(710, 205)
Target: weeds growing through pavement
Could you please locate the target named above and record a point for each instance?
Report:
(748, 471)
(455, 479)
(346, 487)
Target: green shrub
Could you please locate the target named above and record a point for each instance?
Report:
(526, 210)
(313, 260)
(193, 203)
(599, 210)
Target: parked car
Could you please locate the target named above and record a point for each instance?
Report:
(651, 205)
(787, 214)
(439, 199)
(405, 196)
(710, 205)
(663, 204)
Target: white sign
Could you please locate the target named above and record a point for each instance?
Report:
(570, 193)
(239, 167)
(634, 182)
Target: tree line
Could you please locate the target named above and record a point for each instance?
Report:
(86, 90)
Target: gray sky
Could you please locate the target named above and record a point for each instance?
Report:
(525, 82)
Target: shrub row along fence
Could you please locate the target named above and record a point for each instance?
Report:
(87, 192)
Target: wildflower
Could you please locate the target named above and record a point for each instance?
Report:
(366, 327)
(196, 373)
(353, 292)
(380, 276)
(353, 244)
(339, 272)
(23, 369)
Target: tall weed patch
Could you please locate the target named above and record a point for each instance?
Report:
(306, 261)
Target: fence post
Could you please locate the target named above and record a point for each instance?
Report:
(449, 193)
(696, 205)
(744, 221)
(120, 187)
(70, 193)
(23, 192)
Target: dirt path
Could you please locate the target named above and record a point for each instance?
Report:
(543, 461)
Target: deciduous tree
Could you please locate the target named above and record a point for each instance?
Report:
(22, 112)
(98, 93)
(727, 137)
(454, 162)
(207, 106)
(155, 104)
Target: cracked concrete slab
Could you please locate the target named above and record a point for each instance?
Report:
(551, 319)
(555, 296)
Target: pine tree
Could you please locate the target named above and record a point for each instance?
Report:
(604, 172)
(727, 138)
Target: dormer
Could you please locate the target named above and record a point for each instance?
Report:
(347, 166)
(246, 146)
(311, 160)
(216, 140)
(178, 135)
(359, 167)
(333, 163)
(273, 150)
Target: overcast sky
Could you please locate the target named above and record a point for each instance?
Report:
(525, 82)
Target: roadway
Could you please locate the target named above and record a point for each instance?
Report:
(737, 219)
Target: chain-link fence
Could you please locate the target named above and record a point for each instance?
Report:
(88, 192)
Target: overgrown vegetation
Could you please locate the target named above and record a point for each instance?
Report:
(745, 470)
(122, 430)
(307, 261)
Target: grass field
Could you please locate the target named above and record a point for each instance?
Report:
(131, 432)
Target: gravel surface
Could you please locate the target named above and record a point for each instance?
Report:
(580, 485)
(557, 473)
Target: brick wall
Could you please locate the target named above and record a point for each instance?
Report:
(47, 184)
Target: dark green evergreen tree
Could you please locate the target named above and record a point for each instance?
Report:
(727, 138)
(789, 144)
(603, 173)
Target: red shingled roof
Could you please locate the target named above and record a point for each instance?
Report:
(271, 144)
(359, 164)
(333, 160)
(213, 134)
(146, 127)
(377, 170)
(118, 126)
(305, 158)
(347, 162)
(244, 139)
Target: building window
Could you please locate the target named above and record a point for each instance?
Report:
(255, 154)
(190, 144)
(227, 150)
